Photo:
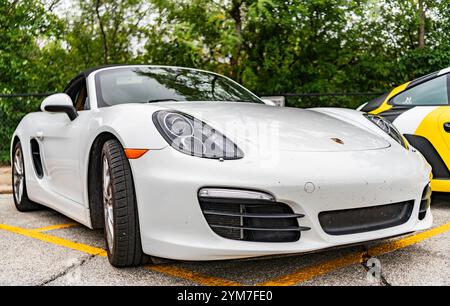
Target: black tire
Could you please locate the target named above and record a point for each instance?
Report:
(440, 197)
(22, 202)
(126, 249)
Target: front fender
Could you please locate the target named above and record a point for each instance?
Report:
(130, 124)
(22, 132)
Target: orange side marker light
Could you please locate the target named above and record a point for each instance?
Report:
(135, 153)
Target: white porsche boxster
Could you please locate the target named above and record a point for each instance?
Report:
(186, 164)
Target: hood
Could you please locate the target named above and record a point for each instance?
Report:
(288, 129)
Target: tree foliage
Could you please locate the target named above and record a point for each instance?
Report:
(271, 46)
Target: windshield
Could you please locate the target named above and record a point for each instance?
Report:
(160, 84)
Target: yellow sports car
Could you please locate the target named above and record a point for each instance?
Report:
(420, 110)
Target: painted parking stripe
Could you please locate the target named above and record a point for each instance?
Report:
(308, 273)
(54, 227)
(407, 241)
(165, 269)
(196, 277)
(286, 280)
(54, 240)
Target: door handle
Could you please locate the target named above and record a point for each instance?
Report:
(40, 135)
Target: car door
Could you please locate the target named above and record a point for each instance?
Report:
(60, 142)
(422, 114)
(444, 118)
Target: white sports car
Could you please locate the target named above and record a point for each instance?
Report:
(186, 164)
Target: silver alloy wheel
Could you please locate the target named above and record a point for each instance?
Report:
(19, 175)
(108, 204)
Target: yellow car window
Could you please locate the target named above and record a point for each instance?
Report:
(434, 92)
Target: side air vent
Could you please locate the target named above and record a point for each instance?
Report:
(425, 203)
(440, 170)
(36, 156)
(250, 216)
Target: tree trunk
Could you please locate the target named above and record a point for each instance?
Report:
(421, 24)
(102, 30)
(235, 13)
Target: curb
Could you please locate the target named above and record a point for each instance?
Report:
(6, 190)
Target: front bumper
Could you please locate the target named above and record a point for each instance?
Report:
(173, 226)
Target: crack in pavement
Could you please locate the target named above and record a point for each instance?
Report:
(79, 262)
(384, 281)
(365, 258)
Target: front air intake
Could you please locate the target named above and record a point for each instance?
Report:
(366, 219)
(257, 217)
(425, 202)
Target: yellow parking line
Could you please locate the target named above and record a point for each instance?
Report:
(286, 280)
(407, 241)
(313, 271)
(166, 269)
(195, 277)
(54, 240)
(355, 258)
(54, 227)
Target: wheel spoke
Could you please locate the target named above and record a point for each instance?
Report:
(20, 189)
(18, 178)
(108, 207)
(17, 166)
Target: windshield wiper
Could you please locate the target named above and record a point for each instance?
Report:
(161, 100)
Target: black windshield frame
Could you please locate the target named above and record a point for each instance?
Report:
(183, 93)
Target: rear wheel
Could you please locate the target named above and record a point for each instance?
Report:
(121, 231)
(21, 200)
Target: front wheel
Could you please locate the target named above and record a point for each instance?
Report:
(121, 231)
(19, 184)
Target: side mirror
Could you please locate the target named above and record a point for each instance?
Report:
(269, 102)
(361, 106)
(59, 103)
(274, 100)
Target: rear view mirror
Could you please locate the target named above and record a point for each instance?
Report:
(59, 103)
(269, 102)
(274, 100)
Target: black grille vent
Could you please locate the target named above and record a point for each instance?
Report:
(251, 220)
(36, 156)
(360, 220)
(425, 202)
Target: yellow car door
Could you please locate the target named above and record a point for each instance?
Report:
(420, 110)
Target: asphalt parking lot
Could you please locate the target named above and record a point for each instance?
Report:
(46, 248)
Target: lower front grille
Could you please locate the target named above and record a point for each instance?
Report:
(425, 202)
(251, 220)
(360, 220)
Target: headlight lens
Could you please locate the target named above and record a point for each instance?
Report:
(194, 137)
(388, 128)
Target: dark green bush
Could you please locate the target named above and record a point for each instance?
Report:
(12, 110)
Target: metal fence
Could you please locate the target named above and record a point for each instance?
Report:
(307, 100)
(14, 106)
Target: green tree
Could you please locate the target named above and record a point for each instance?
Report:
(22, 25)
(203, 33)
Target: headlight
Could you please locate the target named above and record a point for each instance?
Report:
(388, 128)
(194, 137)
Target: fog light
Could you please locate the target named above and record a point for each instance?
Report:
(234, 194)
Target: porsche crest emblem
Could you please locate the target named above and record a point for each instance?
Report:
(337, 140)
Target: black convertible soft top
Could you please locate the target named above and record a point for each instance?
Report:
(87, 72)
(91, 70)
